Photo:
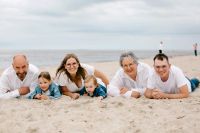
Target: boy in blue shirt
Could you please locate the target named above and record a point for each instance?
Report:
(92, 88)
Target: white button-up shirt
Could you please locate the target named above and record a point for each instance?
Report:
(10, 83)
(121, 79)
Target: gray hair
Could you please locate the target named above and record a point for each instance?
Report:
(128, 54)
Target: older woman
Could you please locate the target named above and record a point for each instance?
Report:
(131, 79)
(71, 73)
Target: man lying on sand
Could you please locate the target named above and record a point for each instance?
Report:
(168, 81)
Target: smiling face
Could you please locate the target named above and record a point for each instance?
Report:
(129, 66)
(44, 83)
(162, 68)
(71, 66)
(90, 86)
(20, 65)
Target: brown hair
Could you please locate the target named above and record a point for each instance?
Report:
(161, 57)
(45, 75)
(81, 72)
(88, 78)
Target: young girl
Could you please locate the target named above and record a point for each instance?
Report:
(46, 88)
(92, 88)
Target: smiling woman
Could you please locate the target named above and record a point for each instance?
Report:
(71, 74)
(131, 79)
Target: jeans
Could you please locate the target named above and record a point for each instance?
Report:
(194, 83)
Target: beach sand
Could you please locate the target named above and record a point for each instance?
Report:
(112, 115)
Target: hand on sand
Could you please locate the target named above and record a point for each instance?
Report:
(24, 90)
(44, 97)
(100, 98)
(75, 96)
(157, 94)
(38, 96)
(123, 90)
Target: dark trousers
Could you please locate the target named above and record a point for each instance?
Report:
(194, 83)
(195, 52)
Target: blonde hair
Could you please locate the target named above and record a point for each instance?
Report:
(89, 78)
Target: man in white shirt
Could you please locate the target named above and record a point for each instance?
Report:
(168, 81)
(131, 79)
(19, 79)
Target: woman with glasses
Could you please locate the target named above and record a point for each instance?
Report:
(71, 73)
(131, 79)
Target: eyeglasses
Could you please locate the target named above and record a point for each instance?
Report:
(128, 65)
(163, 67)
(68, 65)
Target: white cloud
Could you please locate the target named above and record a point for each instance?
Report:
(107, 21)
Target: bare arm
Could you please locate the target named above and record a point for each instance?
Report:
(65, 91)
(24, 90)
(184, 93)
(148, 93)
(102, 76)
(157, 94)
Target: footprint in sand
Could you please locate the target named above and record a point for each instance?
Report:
(29, 117)
(102, 105)
(32, 130)
(117, 104)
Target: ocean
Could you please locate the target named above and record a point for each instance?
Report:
(52, 58)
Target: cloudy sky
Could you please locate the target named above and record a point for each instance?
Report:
(99, 24)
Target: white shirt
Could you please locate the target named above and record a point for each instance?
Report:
(63, 80)
(10, 83)
(175, 81)
(121, 79)
(161, 46)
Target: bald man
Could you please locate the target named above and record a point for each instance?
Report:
(18, 79)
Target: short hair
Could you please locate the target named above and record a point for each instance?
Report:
(88, 78)
(20, 55)
(161, 57)
(45, 75)
(128, 54)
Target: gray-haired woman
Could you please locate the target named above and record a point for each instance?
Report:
(131, 79)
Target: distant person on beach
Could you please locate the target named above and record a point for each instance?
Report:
(19, 79)
(131, 79)
(71, 73)
(92, 88)
(195, 48)
(168, 81)
(46, 88)
(161, 47)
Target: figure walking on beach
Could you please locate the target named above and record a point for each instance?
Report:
(161, 47)
(19, 79)
(195, 48)
(71, 73)
(131, 79)
(168, 81)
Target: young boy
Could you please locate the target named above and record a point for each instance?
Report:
(92, 88)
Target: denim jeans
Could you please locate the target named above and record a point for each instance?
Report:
(194, 83)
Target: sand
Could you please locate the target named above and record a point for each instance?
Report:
(112, 115)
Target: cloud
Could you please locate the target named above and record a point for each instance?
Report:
(83, 21)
